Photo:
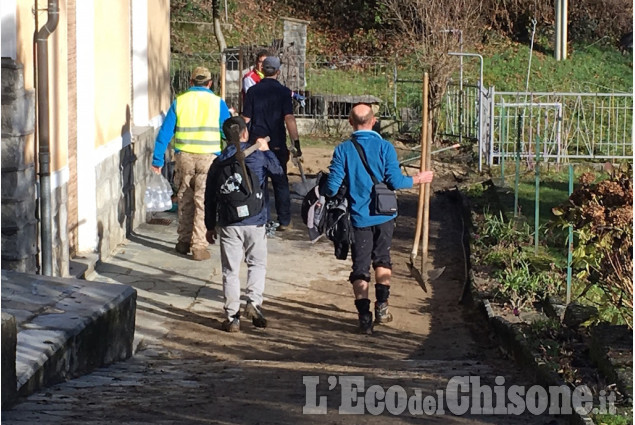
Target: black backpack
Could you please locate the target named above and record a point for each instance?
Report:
(235, 202)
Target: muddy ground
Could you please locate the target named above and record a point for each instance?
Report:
(195, 373)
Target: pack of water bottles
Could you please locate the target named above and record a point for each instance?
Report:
(158, 196)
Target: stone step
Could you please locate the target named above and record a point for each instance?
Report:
(66, 327)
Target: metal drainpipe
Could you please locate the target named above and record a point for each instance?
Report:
(221, 45)
(44, 151)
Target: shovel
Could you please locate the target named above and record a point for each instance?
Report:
(303, 187)
(423, 208)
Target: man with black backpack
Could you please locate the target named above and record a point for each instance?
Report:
(236, 201)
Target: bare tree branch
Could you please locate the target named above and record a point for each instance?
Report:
(434, 28)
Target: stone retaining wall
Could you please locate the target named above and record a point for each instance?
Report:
(19, 225)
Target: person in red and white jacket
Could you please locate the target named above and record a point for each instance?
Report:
(254, 76)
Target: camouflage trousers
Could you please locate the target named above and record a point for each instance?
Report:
(190, 176)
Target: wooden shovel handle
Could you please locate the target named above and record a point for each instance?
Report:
(422, 167)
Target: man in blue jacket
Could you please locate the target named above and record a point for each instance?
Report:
(243, 239)
(372, 234)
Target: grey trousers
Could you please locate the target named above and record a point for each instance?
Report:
(236, 241)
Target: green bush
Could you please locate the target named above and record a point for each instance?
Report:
(602, 218)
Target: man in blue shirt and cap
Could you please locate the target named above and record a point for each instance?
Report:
(268, 109)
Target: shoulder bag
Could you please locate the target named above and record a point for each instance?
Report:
(384, 200)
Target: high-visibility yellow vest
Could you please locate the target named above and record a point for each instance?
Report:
(197, 122)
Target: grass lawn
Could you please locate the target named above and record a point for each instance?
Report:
(553, 188)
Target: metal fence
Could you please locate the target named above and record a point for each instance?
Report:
(330, 85)
(567, 126)
(459, 115)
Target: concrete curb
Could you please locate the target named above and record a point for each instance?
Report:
(66, 327)
(510, 339)
(9, 343)
(513, 342)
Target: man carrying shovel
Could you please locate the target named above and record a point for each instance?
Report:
(372, 233)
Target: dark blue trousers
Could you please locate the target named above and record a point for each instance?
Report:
(281, 192)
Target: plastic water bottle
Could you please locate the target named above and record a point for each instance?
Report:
(148, 200)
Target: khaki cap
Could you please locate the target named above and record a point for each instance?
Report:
(201, 74)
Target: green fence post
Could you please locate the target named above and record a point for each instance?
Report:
(517, 179)
(537, 208)
(570, 241)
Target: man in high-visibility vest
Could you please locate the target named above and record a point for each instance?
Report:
(195, 120)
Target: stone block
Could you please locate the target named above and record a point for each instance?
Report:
(61, 260)
(115, 188)
(19, 184)
(9, 343)
(12, 153)
(18, 243)
(108, 168)
(62, 219)
(23, 265)
(18, 213)
(18, 116)
(61, 194)
(576, 314)
(103, 196)
(12, 79)
(85, 325)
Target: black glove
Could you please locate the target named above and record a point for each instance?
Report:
(298, 151)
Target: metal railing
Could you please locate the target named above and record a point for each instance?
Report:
(459, 117)
(570, 126)
(330, 85)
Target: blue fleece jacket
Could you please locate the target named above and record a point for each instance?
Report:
(346, 166)
(262, 164)
(169, 127)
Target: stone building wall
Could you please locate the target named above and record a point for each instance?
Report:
(59, 231)
(121, 186)
(19, 223)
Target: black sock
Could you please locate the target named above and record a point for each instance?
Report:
(363, 305)
(382, 292)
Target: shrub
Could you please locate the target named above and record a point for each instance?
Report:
(602, 218)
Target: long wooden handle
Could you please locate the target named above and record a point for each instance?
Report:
(251, 149)
(422, 167)
(427, 189)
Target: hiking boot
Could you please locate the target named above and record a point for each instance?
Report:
(382, 315)
(255, 314)
(366, 323)
(182, 248)
(231, 325)
(284, 227)
(201, 254)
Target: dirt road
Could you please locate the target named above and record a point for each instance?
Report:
(189, 371)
